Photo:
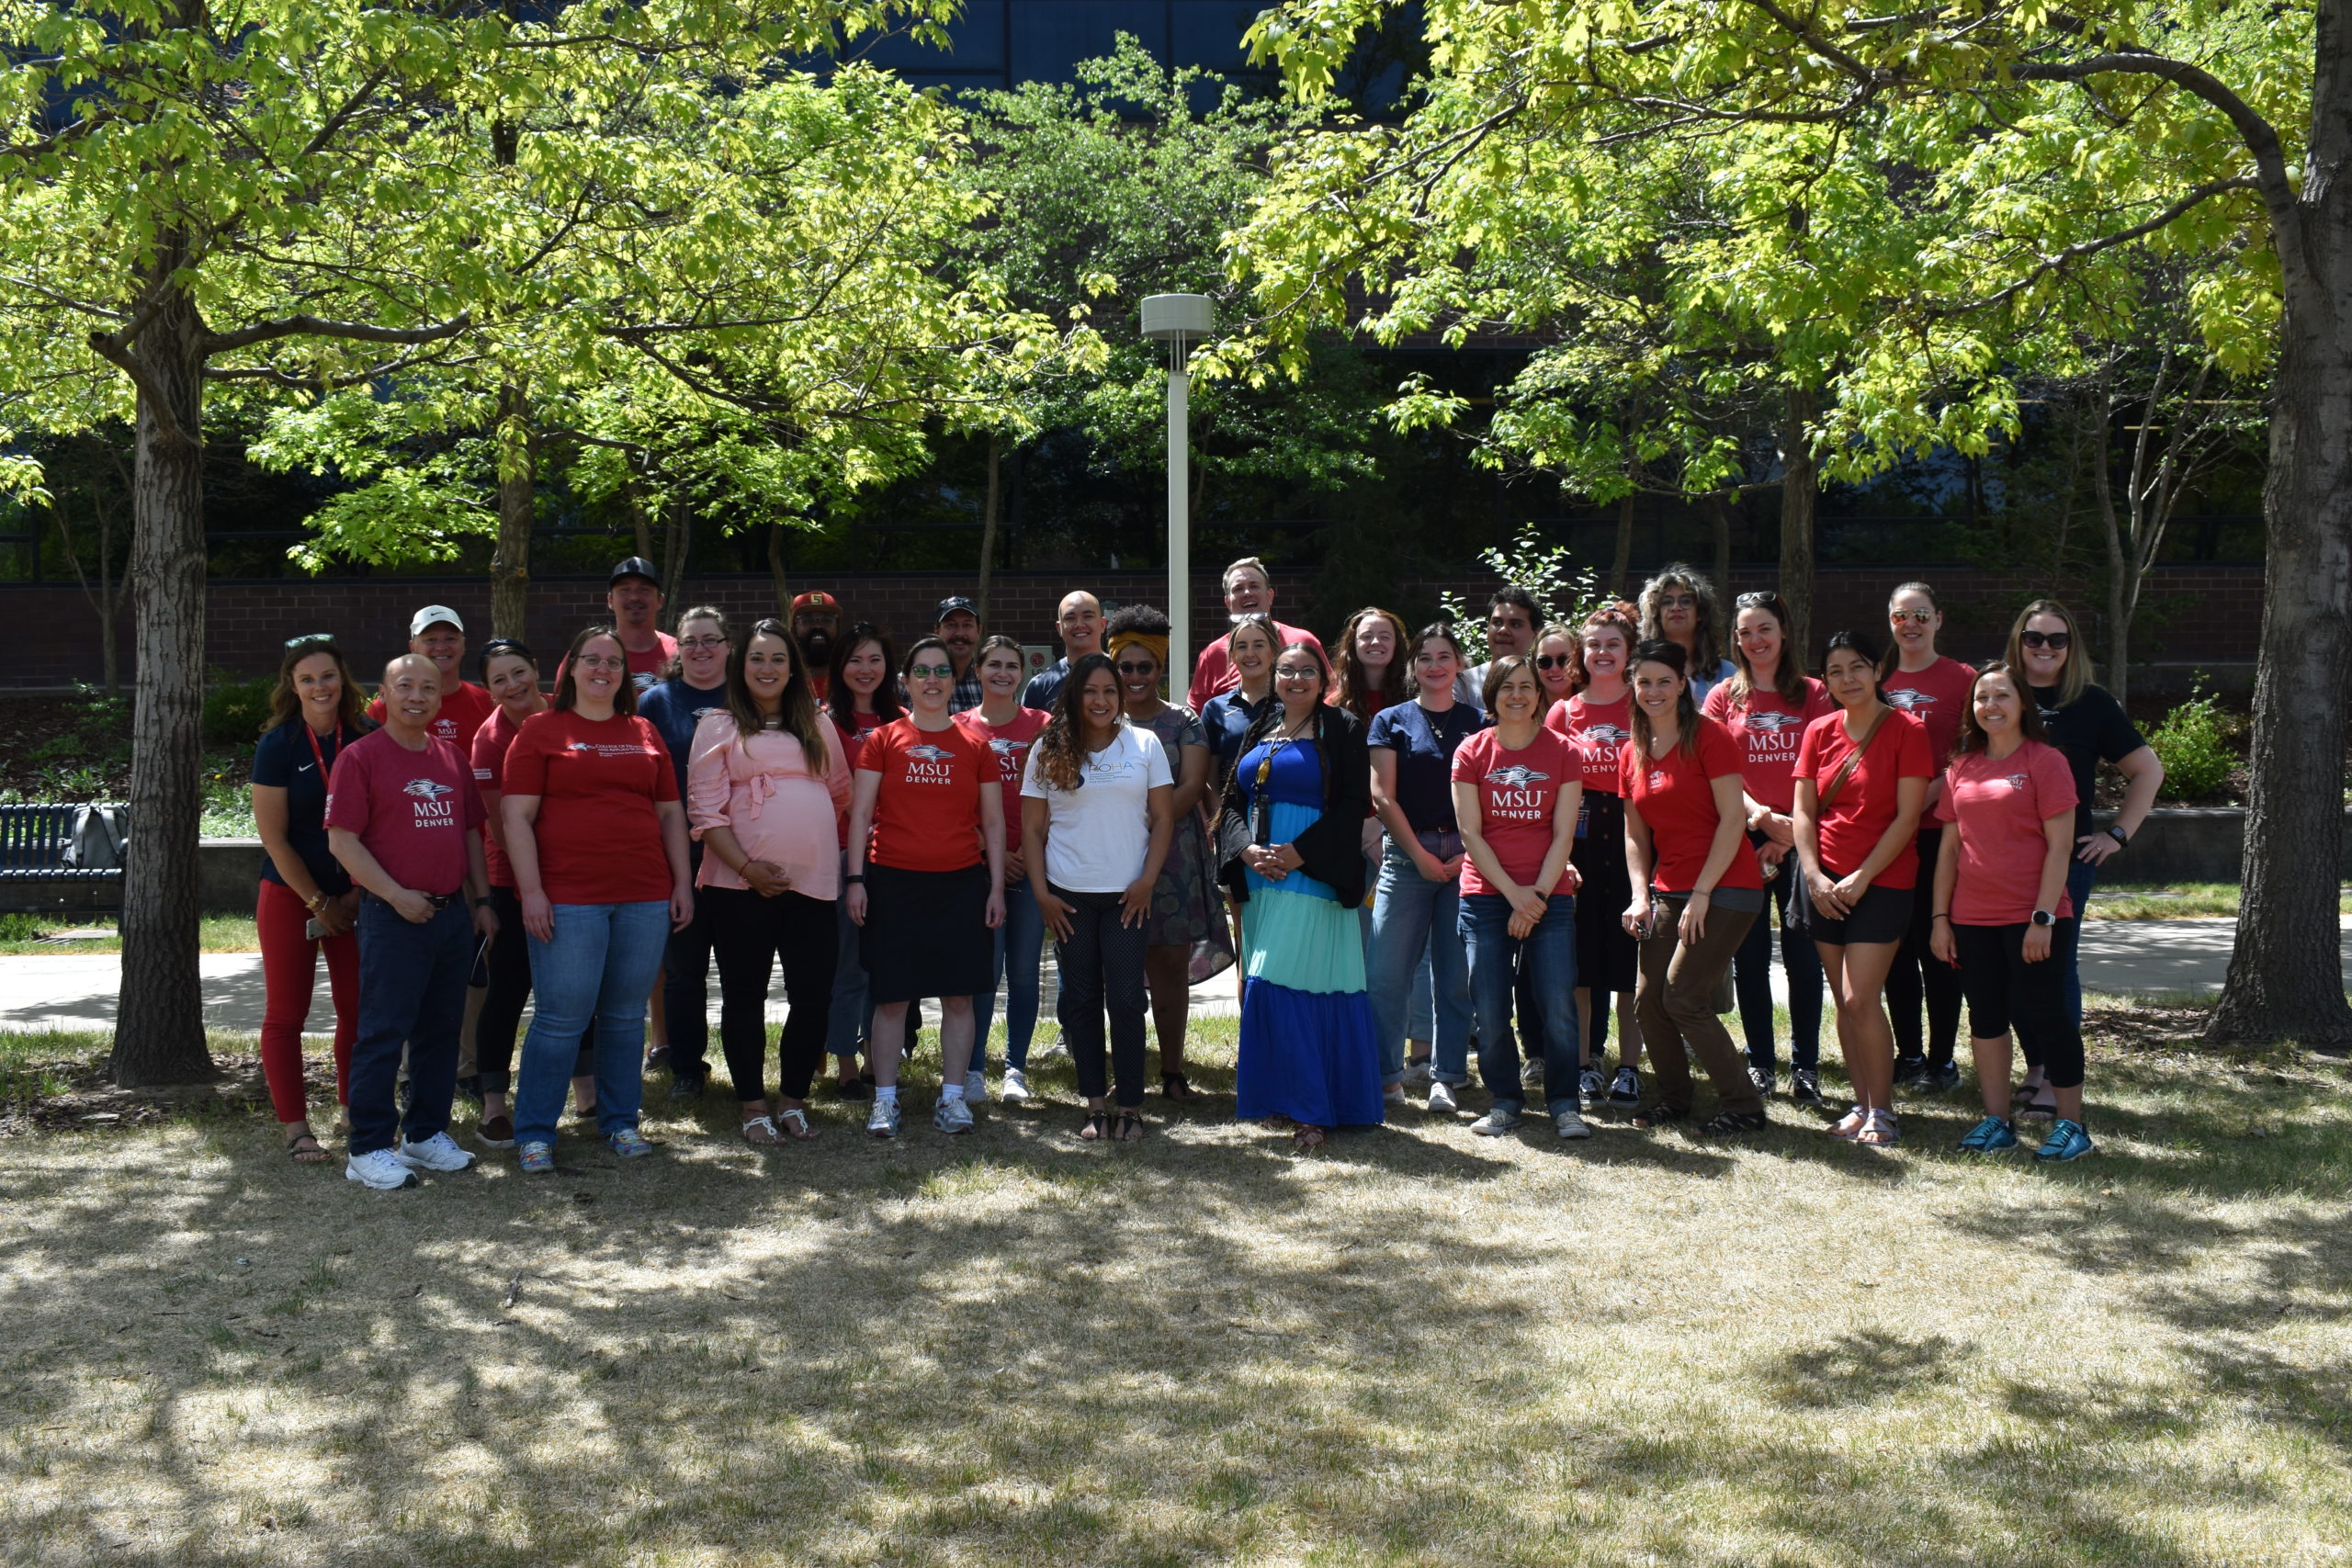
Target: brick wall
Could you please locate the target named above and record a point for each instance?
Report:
(2218, 616)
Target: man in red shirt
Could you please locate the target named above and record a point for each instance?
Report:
(816, 622)
(633, 594)
(1249, 591)
(405, 819)
(437, 634)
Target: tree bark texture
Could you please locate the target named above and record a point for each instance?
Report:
(1800, 498)
(518, 462)
(2119, 612)
(677, 541)
(988, 520)
(2286, 978)
(1719, 529)
(159, 1025)
(776, 570)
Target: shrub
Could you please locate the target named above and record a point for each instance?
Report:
(234, 710)
(2193, 743)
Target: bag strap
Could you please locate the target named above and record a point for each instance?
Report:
(1837, 782)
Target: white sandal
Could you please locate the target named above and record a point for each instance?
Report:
(1851, 1124)
(1878, 1131)
(795, 1122)
(758, 1125)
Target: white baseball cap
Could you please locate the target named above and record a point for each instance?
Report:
(433, 615)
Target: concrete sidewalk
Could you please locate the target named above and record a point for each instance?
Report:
(78, 991)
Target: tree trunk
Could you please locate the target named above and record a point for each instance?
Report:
(2119, 613)
(159, 1022)
(1621, 557)
(677, 541)
(1800, 496)
(2286, 979)
(518, 462)
(776, 570)
(988, 523)
(1719, 526)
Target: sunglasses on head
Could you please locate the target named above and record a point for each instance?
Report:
(1551, 661)
(323, 639)
(2056, 641)
(1761, 600)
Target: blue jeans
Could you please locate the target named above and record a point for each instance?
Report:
(1412, 918)
(601, 965)
(852, 1021)
(412, 991)
(1420, 1010)
(1551, 955)
(1020, 947)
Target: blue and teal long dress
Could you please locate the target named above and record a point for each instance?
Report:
(1308, 1048)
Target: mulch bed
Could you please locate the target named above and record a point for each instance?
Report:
(92, 1103)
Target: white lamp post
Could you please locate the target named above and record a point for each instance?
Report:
(1176, 320)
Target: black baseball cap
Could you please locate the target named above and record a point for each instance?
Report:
(949, 606)
(635, 566)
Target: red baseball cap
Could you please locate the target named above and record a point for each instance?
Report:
(815, 598)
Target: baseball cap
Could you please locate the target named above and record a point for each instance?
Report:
(949, 606)
(815, 598)
(433, 615)
(635, 566)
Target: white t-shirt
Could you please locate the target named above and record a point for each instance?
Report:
(1098, 834)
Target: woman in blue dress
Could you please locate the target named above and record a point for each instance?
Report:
(1289, 845)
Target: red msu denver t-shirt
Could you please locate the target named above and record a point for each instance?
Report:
(412, 810)
(1770, 728)
(927, 812)
(463, 711)
(1598, 730)
(1936, 696)
(1865, 808)
(1675, 797)
(599, 781)
(1010, 744)
(1519, 799)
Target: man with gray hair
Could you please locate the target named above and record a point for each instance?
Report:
(1249, 591)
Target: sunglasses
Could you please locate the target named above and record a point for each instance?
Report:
(931, 672)
(1762, 600)
(2056, 642)
(324, 639)
(499, 645)
(1918, 618)
(1551, 661)
(1127, 667)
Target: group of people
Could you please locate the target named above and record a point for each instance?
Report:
(1405, 855)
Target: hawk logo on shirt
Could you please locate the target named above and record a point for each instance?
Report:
(1519, 775)
(1004, 745)
(427, 789)
(580, 745)
(1909, 701)
(929, 765)
(2019, 781)
(931, 753)
(1774, 723)
(432, 802)
(1604, 735)
(1657, 778)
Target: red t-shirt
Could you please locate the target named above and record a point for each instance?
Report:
(2001, 807)
(1215, 672)
(1864, 809)
(1598, 731)
(1771, 726)
(927, 815)
(1010, 745)
(644, 669)
(1936, 696)
(853, 738)
(462, 713)
(1676, 796)
(491, 743)
(1519, 794)
(412, 810)
(598, 780)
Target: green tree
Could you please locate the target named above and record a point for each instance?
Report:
(1927, 185)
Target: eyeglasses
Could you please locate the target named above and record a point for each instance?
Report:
(931, 672)
(1282, 675)
(2054, 641)
(1553, 661)
(701, 644)
(324, 639)
(599, 661)
(1128, 667)
(1763, 599)
(1677, 601)
(1916, 617)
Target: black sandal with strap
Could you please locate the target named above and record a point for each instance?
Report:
(1177, 1086)
(1096, 1128)
(316, 1153)
(1126, 1127)
(1727, 1121)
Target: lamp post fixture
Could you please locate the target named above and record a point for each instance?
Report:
(1178, 319)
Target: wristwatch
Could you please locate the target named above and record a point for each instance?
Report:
(2122, 839)
(2044, 918)
(854, 880)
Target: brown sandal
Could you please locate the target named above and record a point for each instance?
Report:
(1126, 1128)
(1308, 1138)
(315, 1155)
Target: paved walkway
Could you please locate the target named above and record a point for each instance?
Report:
(78, 990)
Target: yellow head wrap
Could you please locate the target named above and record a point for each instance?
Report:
(1155, 646)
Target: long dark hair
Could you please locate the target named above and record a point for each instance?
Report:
(840, 701)
(1789, 679)
(1665, 651)
(1062, 745)
(566, 685)
(1863, 645)
(1972, 735)
(1271, 716)
(285, 704)
(1352, 689)
(798, 713)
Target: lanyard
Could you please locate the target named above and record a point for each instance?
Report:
(312, 736)
(1274, 749)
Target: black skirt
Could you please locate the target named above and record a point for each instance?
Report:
(926, 935)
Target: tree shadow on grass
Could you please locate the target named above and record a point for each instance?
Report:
(1861, 1368)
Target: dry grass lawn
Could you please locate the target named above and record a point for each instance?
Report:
(1418, 1346)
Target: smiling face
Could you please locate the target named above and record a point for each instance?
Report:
(412, 693)
(444, 644)
(1139, 677)
(1247, 593)
(1553, 667)
(1657, 687)
(1760, 640)
(318, 686)
(1520, 697)
(1298, 679)
(598, 669)
(1850, 678)
(931, 681)
(1914, 621)
(1436, 666)
(2046, 665)
(1253, 653)
(1001, 674)
(1605, 653)
(1099, 701)
(961, 633)
(702, 653)
(1997, 703)
(767, 669)
(634, 602)
(1508, 630)
(1376, 644)
(514, 684)
(866, 669)
(1080, 622)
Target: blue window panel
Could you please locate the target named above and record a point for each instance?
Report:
(1049, 36)
(976, 40)
(1209, 33)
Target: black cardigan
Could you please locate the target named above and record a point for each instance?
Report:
(1332, 850)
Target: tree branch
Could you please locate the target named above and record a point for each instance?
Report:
(2076, 253)
(2261, 138)
(272, 375)
(315, 326)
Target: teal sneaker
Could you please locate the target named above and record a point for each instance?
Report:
(1989, 1136)
(2067, 1141)
(628, 1142)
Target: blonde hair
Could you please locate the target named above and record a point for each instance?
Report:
(2077, 677)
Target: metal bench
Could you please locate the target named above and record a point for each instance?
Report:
(33, 841)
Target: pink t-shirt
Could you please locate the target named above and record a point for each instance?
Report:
(1519, 797)
(412, 810)
(765, 795)
(1009, 744)
(1936, 696)
(1866, 806)
(1674, 796)
(2001, 807)
(1598, 730)
(1769, 727)
(1215, 672)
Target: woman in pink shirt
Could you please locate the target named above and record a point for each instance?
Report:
(766, 790)
(2000, 908)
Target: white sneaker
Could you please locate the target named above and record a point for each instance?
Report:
(1568, 1124)
(884, 1121)
(1393, 1095)
(381, 1169)
(976, 1089)
(1441, 1100)
(1418, 1071)
(952, 1116)
(1016, 1087)
(440, 1152)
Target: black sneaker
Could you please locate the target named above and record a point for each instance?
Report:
(1943, 1076)
(687, 1086)
(1662, 1116)
(857, 1089)
(1764, 1080)
(656, 1059)
(1626, 1089)
(1805, 1085)
(1910, 1069)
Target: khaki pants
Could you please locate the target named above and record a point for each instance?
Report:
(1675, 1005)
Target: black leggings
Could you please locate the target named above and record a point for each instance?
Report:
(502, 1005)
(1101, 966)
(1916, 976)
(1751, 972)
(748, 932)
(2005, 992)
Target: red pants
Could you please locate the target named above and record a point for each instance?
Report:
(289, 965)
